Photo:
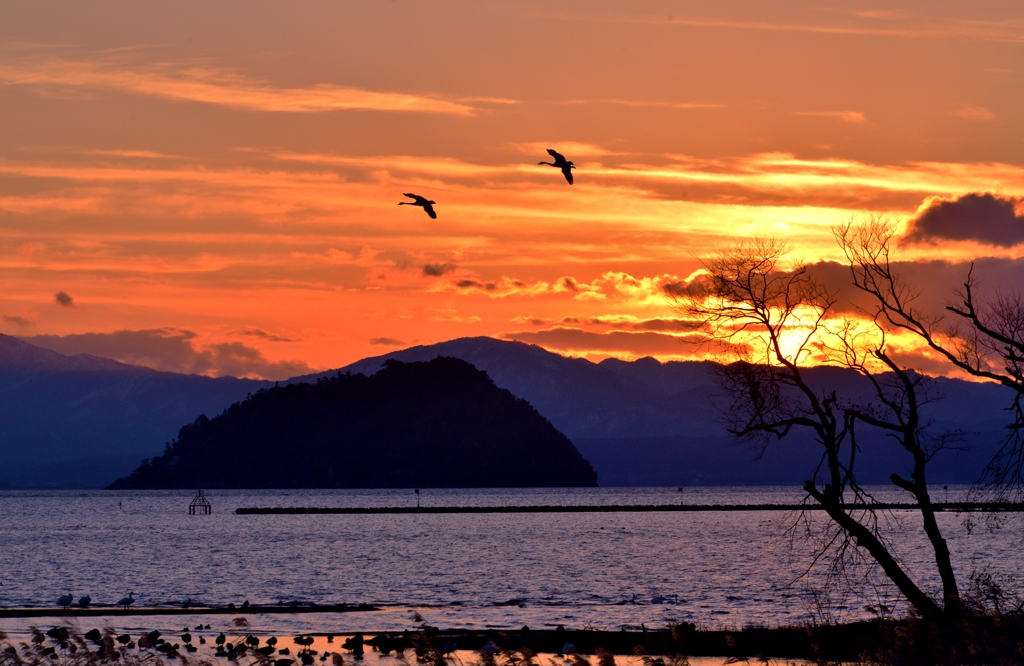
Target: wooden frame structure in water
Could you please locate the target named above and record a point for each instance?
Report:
(200, 505)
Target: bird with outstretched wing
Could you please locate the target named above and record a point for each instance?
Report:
(427, 204)
(560, 163)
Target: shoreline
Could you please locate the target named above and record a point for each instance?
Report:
(996, 636)
(843, 643)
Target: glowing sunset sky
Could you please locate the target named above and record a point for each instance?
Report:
(212, 187)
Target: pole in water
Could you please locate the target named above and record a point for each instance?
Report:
(417, 498)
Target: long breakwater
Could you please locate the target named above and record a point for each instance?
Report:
(627, 508)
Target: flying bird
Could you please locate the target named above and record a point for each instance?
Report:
(561, 163)
(420, 201)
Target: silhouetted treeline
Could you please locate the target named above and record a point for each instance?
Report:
(440, 424)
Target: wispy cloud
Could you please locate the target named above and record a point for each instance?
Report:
(586, 343)
(17, 320)
(1009, 30)
(212, 85)
(768, 173)
(639, 103)
(855, 117)
(389, 342)
(264, 335)
(436, 166)
(611, 286)
(771, 174)
(843, 183)
(972, 112)
(764, 178)
(569, 148)
(140, 154)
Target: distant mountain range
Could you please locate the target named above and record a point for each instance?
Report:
(81, 421)
(646, 423)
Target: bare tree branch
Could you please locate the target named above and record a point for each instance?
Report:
(986, 340)
(781, 314)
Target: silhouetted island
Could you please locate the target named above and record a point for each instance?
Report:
(434, 424)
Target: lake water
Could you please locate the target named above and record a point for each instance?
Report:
(604, 570)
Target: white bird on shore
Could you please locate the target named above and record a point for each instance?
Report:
(127, 601)
(65, 600)
(83, 602)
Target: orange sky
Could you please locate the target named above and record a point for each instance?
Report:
(216, 182)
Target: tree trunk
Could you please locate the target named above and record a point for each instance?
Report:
(863, 537)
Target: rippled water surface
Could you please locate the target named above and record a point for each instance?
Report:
(604, 570)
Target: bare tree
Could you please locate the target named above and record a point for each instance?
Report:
(985, 339)
(781, 316)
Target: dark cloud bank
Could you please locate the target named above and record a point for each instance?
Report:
(935, 282)
(985, 218)
(172, 350)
